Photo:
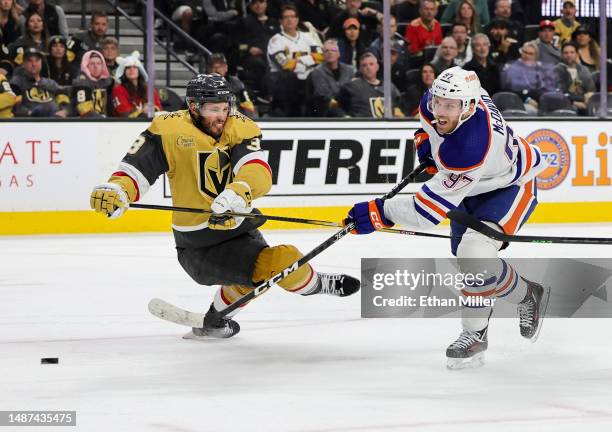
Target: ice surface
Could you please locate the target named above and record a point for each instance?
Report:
(299, 364)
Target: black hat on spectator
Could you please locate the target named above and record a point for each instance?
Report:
(397, 46)
(33, 51)
(499, 23)
(58, 39)
(582, 30)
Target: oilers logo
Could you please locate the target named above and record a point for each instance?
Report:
(556, 152)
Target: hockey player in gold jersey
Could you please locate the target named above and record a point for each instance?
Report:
(213, 159)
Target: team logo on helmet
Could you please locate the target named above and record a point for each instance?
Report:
(556, 152)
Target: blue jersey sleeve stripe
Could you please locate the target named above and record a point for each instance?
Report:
(420, 210)
(437, 198)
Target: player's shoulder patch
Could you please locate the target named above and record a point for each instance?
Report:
(239, 127)
(467, 147)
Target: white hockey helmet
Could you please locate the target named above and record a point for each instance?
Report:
(456, 83)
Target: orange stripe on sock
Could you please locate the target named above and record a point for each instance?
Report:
(507, 283)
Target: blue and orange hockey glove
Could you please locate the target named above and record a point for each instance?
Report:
(368, 216)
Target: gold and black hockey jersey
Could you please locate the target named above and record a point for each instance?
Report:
(198, 167)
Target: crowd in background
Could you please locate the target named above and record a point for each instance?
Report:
(320, 58)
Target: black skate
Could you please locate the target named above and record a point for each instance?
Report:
(338, 285)
(532, 309)
(468, 350)
(214, 328)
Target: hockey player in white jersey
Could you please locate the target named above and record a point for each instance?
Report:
(481, 167)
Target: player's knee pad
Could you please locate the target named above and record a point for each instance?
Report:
(273, 260)
(477, 256)
(476, 245)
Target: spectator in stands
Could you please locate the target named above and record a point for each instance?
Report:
(406, 11)
(53, 15)
(91, 38)
(367, 17)
(566, 25)
(326, 80)
(398, 68)
(547, 43)
(466, 14)
(351, 44)
(503, 10)
(453, 8)
(6, 65)
(574, 79)
(588, 48)
(224, 19)
(92, 89)
(35, 36)
(445, 55)
(11, 23)
(376, 47)
(415, 91)
(504, 48)
(40, 97)
(292, 54)
(218, 64)
(110, 50)
(130, 93)
(61, 69)
(316, 12)
(258, 28)
(424, 31)
(364, 96)
(528, 77)
(464, 47)
(8, 98)
(183, 12)
(485, 67)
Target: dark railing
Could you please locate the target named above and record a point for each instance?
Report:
(202, 52)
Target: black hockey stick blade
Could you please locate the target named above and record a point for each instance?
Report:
(473, 223)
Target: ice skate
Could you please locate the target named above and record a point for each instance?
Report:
(337, 285)
(468, 350)
(532, 309)
(214, 328)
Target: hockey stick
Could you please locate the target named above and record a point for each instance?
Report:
(171, 313)
(281, 219)
(473, 223)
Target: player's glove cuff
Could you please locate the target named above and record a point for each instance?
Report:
(368, 216)
(243, 190)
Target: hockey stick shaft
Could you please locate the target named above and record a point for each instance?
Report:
(473, 223)
(281, 219)
(266, 285)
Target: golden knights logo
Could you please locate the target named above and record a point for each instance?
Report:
(215, 172)
(377, 107)
(36, 94)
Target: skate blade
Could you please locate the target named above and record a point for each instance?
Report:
(192, 336)
(542, 312)
(476, 361)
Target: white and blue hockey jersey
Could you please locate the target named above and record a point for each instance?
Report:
(482, 155)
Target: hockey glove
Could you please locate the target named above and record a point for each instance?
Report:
(109, 199)
(368, 216)
(235, 198)
(423, 147)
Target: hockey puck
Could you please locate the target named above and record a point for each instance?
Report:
(49, 360)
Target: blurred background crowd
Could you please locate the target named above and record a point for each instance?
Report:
(305, 58)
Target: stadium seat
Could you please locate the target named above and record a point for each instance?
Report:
(413, 76)
(170, 100)
(510, 113)
(429, 53)
(551, 101)
(505, 101)
(531, 32)
(594, 103)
